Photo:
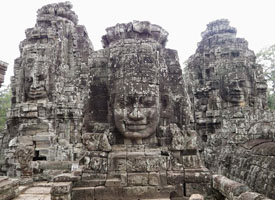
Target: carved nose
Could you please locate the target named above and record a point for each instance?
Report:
(35, 83)
(236, 86)
(135, 114)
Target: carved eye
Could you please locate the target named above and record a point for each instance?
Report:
(41, 77)
(130, 101)
(147, 101)
(120, 103)
(242, 83)
(30, 60)
(29, 79)
(148, 60)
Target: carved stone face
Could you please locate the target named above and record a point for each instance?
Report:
(136, 116)
(137, 100)
(35, 78)
(236, 88)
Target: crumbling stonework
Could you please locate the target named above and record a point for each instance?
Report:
(228, 92)
(3, 69)
(48, 87)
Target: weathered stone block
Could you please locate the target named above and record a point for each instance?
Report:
(196, 197)
(156, 163)
(197, 188)
(229, 188)
(113, 182)
(98, 165)
(65, 165)
(199, 175)
(66, 177)
(61, 188)
(83, 193)
(175, 177)
(26, 140)
(117, 161)
(109, 193)
(137, 179)
(251, 196)
(89, 183)
(136, 164)
(148, 192)
(154, 179)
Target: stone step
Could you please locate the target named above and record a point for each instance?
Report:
(89, 183)
(42, 184)
(86, 193)
(23, 188)
(113, 182)
(121, 193)
(35, 193)
(33, 197)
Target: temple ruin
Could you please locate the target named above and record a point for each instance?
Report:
(123, 122)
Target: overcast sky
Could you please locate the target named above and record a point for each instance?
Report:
(183, 19)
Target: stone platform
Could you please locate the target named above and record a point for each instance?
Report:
(39, 191)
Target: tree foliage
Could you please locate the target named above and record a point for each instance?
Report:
(266, 57)
(5, 101)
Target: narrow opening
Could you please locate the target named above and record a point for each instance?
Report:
(38, 157)
(184, 189)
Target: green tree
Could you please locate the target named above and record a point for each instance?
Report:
(5, 102)
(266, 57)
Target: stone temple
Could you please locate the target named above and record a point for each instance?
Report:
(124, 123)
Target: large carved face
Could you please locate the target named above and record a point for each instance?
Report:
(136, 103)
(136, 115)
(35, 77)
(236, 87)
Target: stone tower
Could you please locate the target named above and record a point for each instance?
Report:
(137, 120)
(228, 91)
(48, 87)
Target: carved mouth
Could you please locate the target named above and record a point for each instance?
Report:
(239, 94)
(137, 126)
(37, 93)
